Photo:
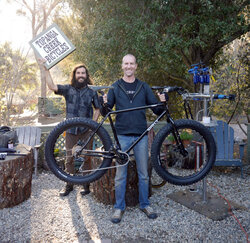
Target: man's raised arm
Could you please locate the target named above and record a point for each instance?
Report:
(51, 85)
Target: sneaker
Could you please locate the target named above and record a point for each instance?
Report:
(86, 190)
(117, 216)
(149, 212)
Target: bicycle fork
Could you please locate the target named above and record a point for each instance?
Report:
(177, 137)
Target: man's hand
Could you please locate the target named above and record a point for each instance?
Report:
(105, 98)
(42, 61)
(161, 97)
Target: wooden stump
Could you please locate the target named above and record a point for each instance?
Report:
(15, 178)
(104, 188)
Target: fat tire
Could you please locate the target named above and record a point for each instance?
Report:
(52, 138)
(187, 180)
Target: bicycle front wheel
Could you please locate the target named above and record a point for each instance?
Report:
(183, 168)
(72, 156)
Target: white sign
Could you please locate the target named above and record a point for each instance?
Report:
(53, 45)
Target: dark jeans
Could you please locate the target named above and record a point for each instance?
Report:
(71, 141)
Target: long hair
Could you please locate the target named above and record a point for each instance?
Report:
(73, 77)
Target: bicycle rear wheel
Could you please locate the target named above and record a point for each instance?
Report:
(65, 156)
(176, 168)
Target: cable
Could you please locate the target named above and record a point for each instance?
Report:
(230, 210)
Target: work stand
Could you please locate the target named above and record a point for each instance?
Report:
(195, 198)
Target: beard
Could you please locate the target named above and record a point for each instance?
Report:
(80, 85)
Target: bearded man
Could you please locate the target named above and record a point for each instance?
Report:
(79, 101)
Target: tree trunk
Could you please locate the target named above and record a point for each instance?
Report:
(15, 179)
(43, 80)
(104, 188)
(43, 91)
(43, 84)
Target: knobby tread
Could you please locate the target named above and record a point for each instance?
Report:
(52, 138)
(180, 124)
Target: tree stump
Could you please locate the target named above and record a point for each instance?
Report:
(16, 177)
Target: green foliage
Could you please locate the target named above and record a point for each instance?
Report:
(185, 135)
(165, 36)
(17, 84)
(56, 152)
(233, 78)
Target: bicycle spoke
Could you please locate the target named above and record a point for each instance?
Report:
(184, 166)
(74, 154)
(176, 163)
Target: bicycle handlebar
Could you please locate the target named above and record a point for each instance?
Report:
(208, 96)
(185, 94)
(157, 87)
(169, 89)
(220, 96)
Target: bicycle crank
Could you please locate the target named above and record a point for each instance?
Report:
(122, 157)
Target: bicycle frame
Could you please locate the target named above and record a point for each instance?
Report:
(115, 150)
(168, 157)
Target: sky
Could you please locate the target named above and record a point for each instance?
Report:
(17, 30)
(13, 28)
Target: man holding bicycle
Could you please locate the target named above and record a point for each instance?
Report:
(130, 92)
(79, 101)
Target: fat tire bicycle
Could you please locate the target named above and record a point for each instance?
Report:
(168, 151)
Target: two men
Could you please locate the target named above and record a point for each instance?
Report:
(79, 101)
(130, 92)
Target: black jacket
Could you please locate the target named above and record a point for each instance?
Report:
(133, 122)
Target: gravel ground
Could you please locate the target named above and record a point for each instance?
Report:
(46, 217)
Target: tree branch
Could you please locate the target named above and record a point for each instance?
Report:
(232, 37)
(244, 4)
(184, 57)
(239, 94)
(175, 77)
(27, 6)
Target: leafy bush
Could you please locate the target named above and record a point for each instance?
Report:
(185, 135)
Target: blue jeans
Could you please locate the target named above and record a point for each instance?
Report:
(141, 157)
